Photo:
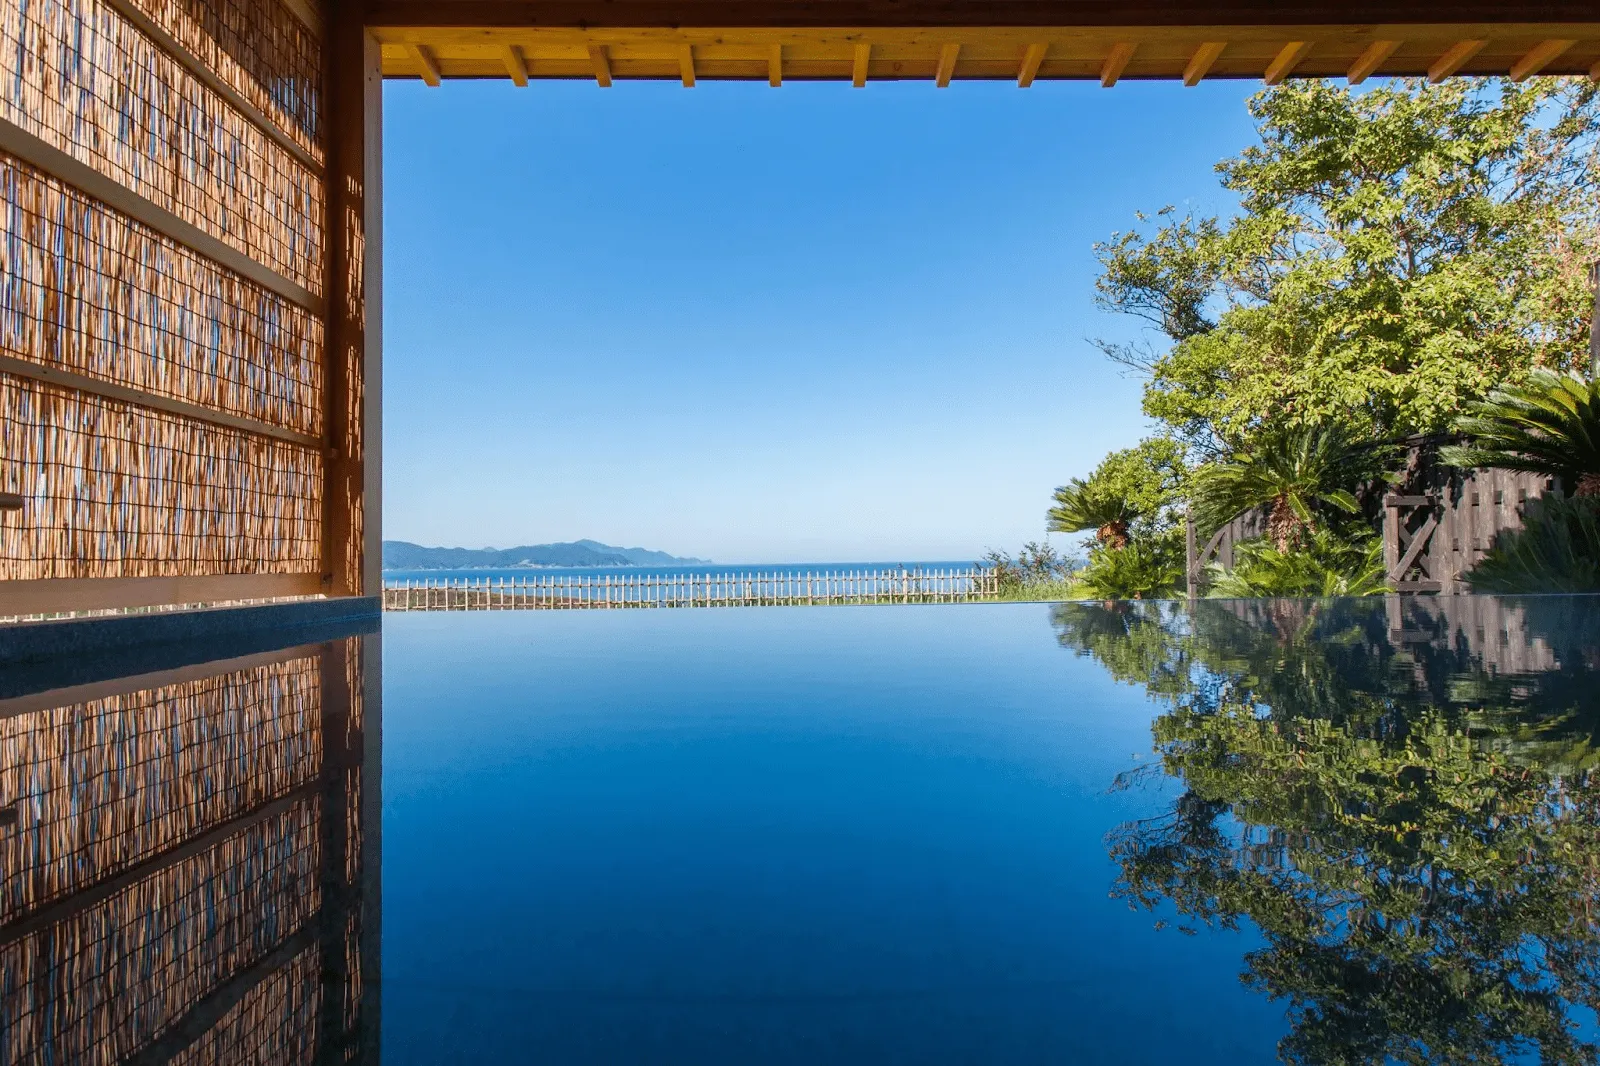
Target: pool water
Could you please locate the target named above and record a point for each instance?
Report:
(1232, 832)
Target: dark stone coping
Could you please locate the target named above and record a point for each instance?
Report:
(36, 656)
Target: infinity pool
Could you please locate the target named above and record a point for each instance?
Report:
(1353, 831)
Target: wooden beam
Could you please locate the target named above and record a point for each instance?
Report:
(52, 160)
(601, 63)
(1201, 62)
(1594, 72)
(1538, 57)
(517, 65)
(775, 66)
(126, 394)
(83, 692)
(12, 501)
(427, 65)
(677, 15)
(1454, 59)
(302, 10)
(686, 65)
(1371, 60)
(1289, 57)
(1030, 64)
(858, 69)
(1116, 62)
(947, 65)
(352, 414)
(61, 594)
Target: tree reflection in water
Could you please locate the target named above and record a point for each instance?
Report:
(1404, 798)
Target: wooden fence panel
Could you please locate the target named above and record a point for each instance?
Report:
(740, 589)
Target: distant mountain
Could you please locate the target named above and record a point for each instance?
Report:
(403, 555)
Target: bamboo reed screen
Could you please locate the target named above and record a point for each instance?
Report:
(273, 1024)
(260, 50)
(87, 290)
(116, 490)
(100, 787)
(105, 980)
(80, 77)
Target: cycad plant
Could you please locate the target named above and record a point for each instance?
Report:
(1328, 563)
(1080, 506)
(1292, 472)
(1549, 426)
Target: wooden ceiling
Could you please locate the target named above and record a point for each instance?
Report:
(954, 40)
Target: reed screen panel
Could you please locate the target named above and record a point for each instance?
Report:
(117, 490)
(273, 1024)
(103, 981)
(258, 48)
(83, 79)
(96, 788)
(87, 290)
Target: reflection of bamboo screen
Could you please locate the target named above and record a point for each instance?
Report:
(77, 75)
(274, 1024)
(86, 290)
(101, 786)
(114, 490)
(258, 49)
(102, 982)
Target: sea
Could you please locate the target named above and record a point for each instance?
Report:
(400, 577)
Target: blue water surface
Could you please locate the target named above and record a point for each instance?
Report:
(831, 835)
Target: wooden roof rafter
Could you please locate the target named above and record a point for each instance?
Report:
(1022, 54)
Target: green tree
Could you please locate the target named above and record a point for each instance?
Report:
(1415, 836)
(1133, 493)
(1292, 472)
(1397, 252)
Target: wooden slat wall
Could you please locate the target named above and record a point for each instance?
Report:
(77, 75)
(108, 979)
(1474, 509)
(115, 490)
(172, 403)
(99, 787)
(273, 1024)
(184, 878)
(85, 289)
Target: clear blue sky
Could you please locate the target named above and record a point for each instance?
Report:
(813, 323)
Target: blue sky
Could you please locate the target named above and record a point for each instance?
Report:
(813, 323)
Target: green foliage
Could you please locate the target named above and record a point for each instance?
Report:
(1293, 471)
(1399, 251)
(1557, 550)
(1415, 835)
(1326, 563)
(1082, 505)
(1132, 493)
(1037, 573)
(1549, 425)
(1145, 569)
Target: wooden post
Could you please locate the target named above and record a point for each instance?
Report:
(1594, 323)
(352, 491)
(1191, 553)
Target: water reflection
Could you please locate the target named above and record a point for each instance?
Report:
(190, 867)
(1403, 799)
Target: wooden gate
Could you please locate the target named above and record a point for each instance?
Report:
(1441, 521)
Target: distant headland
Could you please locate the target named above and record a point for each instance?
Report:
(403, 555)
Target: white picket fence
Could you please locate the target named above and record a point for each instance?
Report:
(545, 591)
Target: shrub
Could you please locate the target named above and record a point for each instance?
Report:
(1142, 570)
(1325, 564)
(1556, 550)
